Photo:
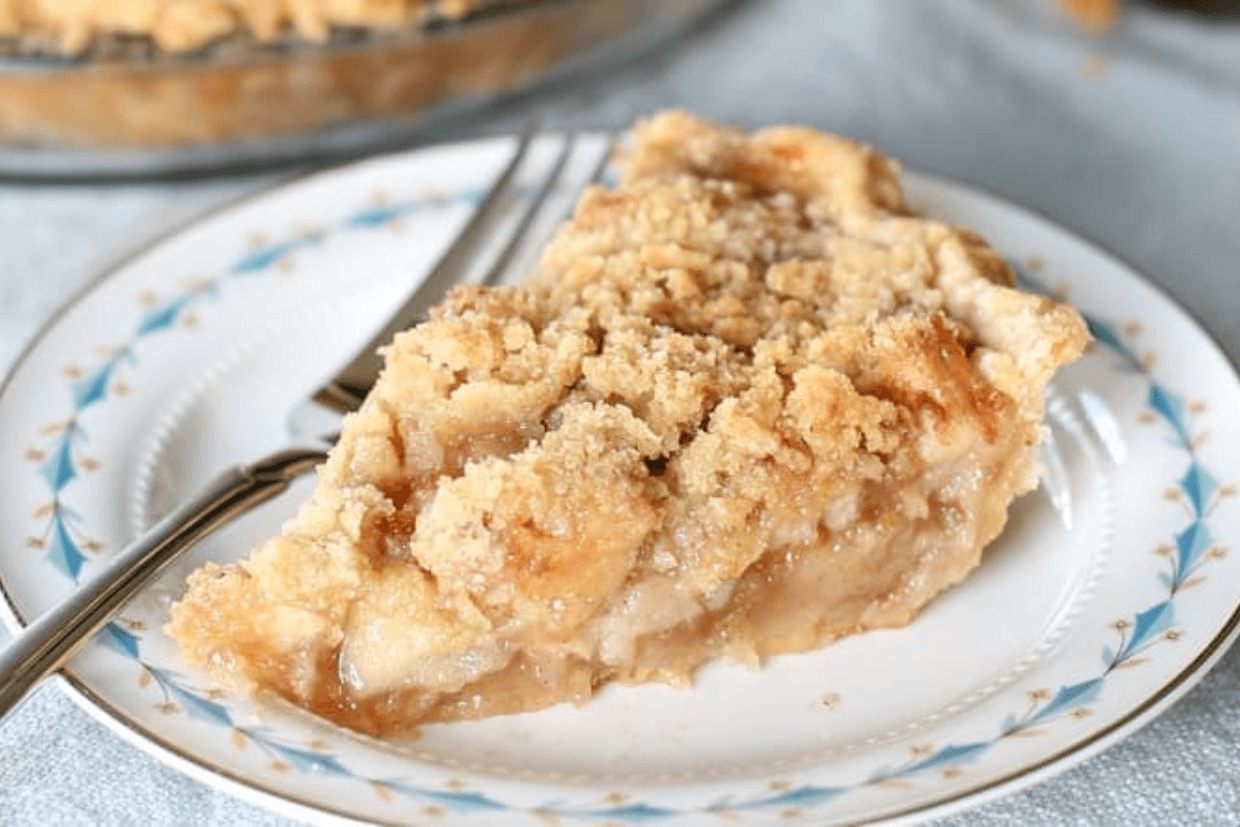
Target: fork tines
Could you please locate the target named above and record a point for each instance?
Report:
(543, 194)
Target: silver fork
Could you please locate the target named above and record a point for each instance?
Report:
(314, 425)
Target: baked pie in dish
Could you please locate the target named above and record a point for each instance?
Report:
(146, 87)
(747, 402)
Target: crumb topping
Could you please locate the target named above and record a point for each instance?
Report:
(182, 25)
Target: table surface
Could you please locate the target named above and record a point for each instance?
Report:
(1131, 139)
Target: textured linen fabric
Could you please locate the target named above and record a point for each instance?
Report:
(1132, 140)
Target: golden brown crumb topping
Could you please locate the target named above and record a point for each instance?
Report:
(747, 402)
(179, 25)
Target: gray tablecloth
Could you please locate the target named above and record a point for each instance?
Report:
(1132, 140)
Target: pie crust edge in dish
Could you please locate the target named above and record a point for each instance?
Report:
(239, 93)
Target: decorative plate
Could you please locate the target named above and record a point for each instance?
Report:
(1094, 611)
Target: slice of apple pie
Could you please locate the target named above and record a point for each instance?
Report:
(746, 403)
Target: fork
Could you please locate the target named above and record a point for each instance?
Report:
(314, 424)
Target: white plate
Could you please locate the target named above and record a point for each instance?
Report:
(1067, 638)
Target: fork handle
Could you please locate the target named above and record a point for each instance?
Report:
(43, 646)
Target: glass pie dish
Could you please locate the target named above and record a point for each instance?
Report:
(126, 108)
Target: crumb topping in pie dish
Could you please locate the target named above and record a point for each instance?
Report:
(180, 25)
(746, 403)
